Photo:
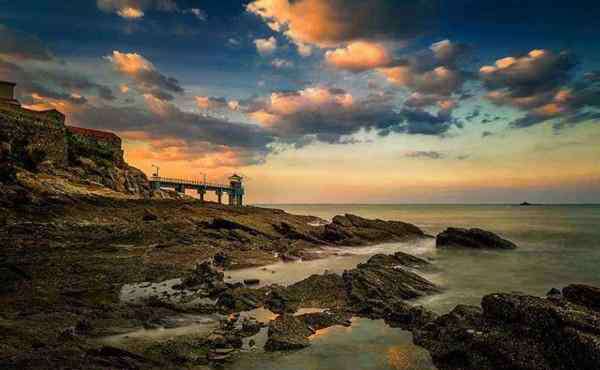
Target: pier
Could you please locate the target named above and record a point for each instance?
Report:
(234, 190)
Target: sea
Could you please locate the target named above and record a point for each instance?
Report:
(557, 245)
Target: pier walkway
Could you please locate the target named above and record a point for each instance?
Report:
(235, 188)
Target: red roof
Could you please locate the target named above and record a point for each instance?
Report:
(102, 135)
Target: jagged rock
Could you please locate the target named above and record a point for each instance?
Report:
(287, 332)
(322, 320)
(472, 238)
(517, 332)
(324, 291)
(584, 295)
(378, 281)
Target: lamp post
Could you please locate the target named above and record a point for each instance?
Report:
(157, 170)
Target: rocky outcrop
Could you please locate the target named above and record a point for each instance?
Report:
(288, 332)
(355, 230)
(472, 238)
(518, 332)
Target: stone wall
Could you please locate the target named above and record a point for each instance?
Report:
(97, 145)
(32, 137)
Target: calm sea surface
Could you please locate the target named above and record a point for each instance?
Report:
(558, 245)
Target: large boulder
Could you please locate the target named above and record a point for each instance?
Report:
(517, 332)
(355, 230)
(288, 332)
(472, 238)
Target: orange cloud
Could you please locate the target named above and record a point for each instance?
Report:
(359, 56)
(130, 63)
(266, 46)
(130, 13)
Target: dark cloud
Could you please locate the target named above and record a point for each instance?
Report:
(54, 81)
(22, 46)
(194, 134)
(541, 84)
(425, 154)
(147, 79)
(333, 22)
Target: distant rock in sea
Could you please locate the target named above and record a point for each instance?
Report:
(525, 204)
(472, 238)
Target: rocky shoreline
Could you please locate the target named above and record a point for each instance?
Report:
(69, 246)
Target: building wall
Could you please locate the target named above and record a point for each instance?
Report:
(6, 91)
(33, 136)
(95, 145)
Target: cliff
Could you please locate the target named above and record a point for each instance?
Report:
(42, 158)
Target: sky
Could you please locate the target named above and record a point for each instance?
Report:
(328, 101)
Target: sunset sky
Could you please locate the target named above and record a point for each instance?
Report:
(328, 101)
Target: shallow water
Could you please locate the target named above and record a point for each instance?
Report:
(558, 245)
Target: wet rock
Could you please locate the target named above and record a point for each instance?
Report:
(251, 281)
(405, 316)
(115, 358)
(372, 285)
(287, 332)
(280, 300)
(222, 260)
(322, 320)
(323, 291)
(204, 276)
(472, 238)
(516, 332)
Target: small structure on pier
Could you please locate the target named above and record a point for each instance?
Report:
(234, 190)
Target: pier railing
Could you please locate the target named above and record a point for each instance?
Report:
(187, 182)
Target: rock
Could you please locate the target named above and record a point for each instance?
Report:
(222, 260)
(381, 280)
(251, 281)
(204, 276)
(149, 216)
(472, 238)
(517, 332)
(280, 300)
(402, 315)
(323, 291)
(584, 295)
(287, 332)
(322, 320)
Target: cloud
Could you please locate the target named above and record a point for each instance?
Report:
(331, 115)
(147, 79)
(130, 13)
(266, 46)
(433, 76)
(330, 23)
(211, 103)
(176, 134)
(135, 9)
(21, 46)
(540, 83)
(425, 154)
(53, 81)
(359, 56)
(282, 63)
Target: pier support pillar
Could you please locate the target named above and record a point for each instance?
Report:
(201, 193)
(220, 196)
(156, 185)
(240, 200)
(180, 189)
(232, 199)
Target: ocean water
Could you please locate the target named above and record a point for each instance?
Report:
(558, 245)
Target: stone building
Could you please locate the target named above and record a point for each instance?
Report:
(33, 136)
